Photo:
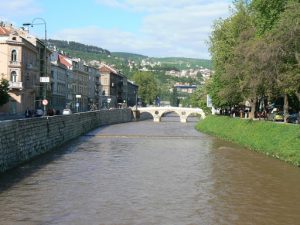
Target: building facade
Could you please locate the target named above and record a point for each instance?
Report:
(26, 62)
(21, 65)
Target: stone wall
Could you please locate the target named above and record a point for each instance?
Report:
(21, 140)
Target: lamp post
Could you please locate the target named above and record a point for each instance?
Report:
(44, 78)
(136, 99)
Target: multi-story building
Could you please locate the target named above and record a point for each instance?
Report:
(185, 88)
(22, 63)
(113, 83)
(70, 86)
(132, 92)
(59, 83)
(80, 78)
(94, 88)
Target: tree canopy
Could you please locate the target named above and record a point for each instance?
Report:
(4, 96)
(148, 89)
(255, 53)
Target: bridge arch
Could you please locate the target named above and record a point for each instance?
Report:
(183, 113)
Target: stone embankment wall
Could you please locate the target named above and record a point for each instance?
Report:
(21, 140)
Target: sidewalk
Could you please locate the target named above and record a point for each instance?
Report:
(11, 117)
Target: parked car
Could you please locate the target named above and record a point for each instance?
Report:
(39, 112)
(67, 112)
(292, 118)
(278, 116)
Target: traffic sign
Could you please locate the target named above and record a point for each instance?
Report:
(44, 79)
(45, 102)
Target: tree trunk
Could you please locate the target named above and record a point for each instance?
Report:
(253, 107)
(286, 107)
(298, 96)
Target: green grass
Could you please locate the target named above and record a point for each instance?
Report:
(278, 140)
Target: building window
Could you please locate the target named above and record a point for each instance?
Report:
(13, 76)
(14, 55)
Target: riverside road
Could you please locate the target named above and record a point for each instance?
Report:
(151, 173)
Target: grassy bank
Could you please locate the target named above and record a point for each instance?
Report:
(279, 140)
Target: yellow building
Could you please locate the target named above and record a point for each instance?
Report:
(21, 63)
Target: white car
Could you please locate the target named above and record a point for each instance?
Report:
(67, 112)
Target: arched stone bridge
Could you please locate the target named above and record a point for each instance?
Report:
(183, 113)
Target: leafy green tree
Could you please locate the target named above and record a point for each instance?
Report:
(199, 99)
(4, 96)
(284, 40)
(174, 101)
(266, 13)
(224, 87)
(148, 89)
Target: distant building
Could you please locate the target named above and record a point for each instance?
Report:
(94, 88)
(113, 83)
(132, 92)
(185, 88)
(116, 87)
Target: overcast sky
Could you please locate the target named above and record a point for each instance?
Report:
(156, 28)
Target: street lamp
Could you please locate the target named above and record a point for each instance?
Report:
(45, 78)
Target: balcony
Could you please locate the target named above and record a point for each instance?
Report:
(15, 85)
(14, 64)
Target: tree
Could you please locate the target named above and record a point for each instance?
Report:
(224, 88)
(4, 96)
(199, 99)
(284, 39)
(266, 13)
(174, 101)
(147, 86)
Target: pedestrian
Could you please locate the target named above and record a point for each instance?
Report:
(28, 113)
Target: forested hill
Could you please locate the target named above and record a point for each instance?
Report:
(75, 46)
(121, 59)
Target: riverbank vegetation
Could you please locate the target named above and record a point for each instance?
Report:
(279, 140)
(256, 56)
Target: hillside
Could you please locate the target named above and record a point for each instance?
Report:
(121, 59)
(130, 63)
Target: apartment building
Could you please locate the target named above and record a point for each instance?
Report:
(72, 83)
(113, 83)
(132, 92)
(59, 83)
(22, 62)
(94, 88)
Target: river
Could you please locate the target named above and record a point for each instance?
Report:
(151, 173)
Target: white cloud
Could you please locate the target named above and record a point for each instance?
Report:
(155, 5)
(169, 28)
(19, 8)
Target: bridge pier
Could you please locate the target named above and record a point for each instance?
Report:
(183, 119)
(156, 119)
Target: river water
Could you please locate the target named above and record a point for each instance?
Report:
(151, 173)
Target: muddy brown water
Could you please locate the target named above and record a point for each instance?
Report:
(151, 173)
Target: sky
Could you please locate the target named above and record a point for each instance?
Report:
(155, 28)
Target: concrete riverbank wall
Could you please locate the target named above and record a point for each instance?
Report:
(21, 140)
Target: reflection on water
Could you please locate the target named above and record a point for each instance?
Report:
(151, 173)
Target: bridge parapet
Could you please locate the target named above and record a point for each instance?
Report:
(183, 113)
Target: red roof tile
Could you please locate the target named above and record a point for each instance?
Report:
(107, 69)
(4, 31)
(63, 60)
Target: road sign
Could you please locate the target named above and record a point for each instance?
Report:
(78, 96)
(45, 102)
(44, 79)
